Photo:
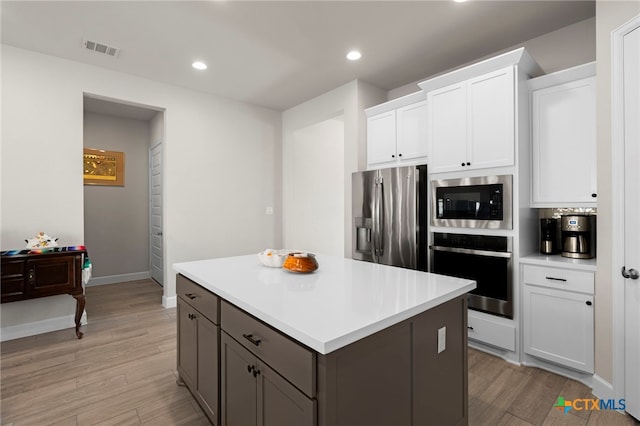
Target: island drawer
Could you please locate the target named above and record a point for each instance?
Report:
(559, 278)
(207, 303)
(290, 359)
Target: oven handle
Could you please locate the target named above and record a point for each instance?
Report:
(487, 253)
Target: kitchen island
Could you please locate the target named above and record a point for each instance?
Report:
(351, 343)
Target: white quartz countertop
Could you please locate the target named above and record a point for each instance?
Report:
(558, 261)
(338, 304)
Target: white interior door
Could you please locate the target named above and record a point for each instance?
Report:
(631, 222)
(155, 211)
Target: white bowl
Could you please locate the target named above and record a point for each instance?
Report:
(273, 258)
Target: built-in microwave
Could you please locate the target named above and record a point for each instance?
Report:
(473, 202)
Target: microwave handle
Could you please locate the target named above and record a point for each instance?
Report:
(486, 253)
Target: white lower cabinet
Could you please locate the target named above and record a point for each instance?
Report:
(494, 332)
(558, 316)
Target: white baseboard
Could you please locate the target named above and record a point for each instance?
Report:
(510, 357)
(112, 279)
(602, 389)
(39, 327)
(169, 302)
(579, 376)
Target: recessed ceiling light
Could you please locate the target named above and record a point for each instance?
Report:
(459, 1)
(199, 65)
(354, 55)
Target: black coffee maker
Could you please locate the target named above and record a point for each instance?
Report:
(549, 236)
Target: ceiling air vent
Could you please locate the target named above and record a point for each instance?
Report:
(102, 48)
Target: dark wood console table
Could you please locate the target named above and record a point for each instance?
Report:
(29, 274)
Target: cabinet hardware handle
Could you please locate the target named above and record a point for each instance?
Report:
(256, 372)
(32, 277)
(190, 295)
(399, 155)
(192, 316)
(556, 279)
(594, 195)
(250, 368)
(468, 163)
(470, 328)
(589, 303)
(462, 164)
(393, 156)
(250, 338)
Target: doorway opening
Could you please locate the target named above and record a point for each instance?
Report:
(118, 219)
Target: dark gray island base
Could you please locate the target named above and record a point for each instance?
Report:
(243, 371)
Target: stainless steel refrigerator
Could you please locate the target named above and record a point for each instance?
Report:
(390, 216)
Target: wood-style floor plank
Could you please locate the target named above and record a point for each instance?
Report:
(123, 372)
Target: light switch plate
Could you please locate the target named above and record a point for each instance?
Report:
(442, 339)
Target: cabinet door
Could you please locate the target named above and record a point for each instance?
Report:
(187, 343)
(381, 138)
(280, 403)
(208, 376)
(411, 122)
(239, 393)
(447, 128)
(563, 121)
(491, 120)
(51, 275)
(559, 326)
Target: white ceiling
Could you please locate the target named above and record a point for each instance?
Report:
(279, 54)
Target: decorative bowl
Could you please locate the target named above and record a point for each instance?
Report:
(300, 262)
(273, 258)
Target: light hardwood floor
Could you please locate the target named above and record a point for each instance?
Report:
(123, 373)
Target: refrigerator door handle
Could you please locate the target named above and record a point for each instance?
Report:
(378, 219)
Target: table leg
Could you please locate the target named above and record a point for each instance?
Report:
(80, 302)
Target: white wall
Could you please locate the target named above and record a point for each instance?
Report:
(316, 218)
(116, 218)
(349, 102)
(222, 162)
(564, 48)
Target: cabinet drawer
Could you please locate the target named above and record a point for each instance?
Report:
(13, 280)
(491, 332)
(202, 300)
(558, 278)
(293, 361)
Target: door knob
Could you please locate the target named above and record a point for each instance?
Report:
(633, 274)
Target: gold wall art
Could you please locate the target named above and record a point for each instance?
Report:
(100, 167)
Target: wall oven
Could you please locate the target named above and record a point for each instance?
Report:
(475, 202)
(487, 259)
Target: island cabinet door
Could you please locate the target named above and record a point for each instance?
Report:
(440, 365)
(187, 343)
(280, 403)
(255, 394)
(208, 375)
(239, 392)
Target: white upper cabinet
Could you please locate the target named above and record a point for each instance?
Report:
(397, 132)
(491, 115)
(471, 123)
(447, 128)
(381, 137)
(411, 135)
(563, 131)
(472, 113)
